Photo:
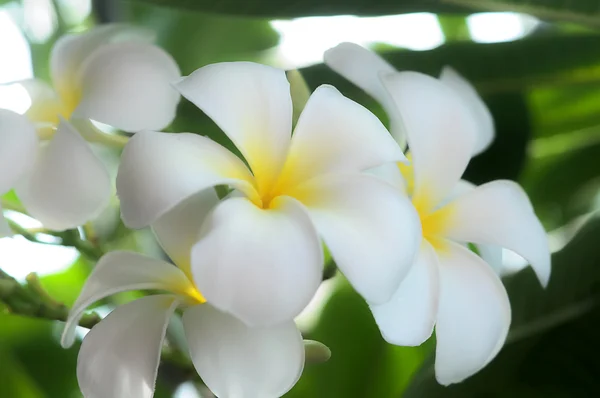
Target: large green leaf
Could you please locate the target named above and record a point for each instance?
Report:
(581, 11)
(553, 344)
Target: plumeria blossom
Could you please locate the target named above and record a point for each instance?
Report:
(119, 357)
(111, 74)
(259, 254)
(364, 68)
(449, 286)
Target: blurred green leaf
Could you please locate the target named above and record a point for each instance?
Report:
(581, 11)
(65, 286)
(14, 380)
(552, 347)
(362, 364)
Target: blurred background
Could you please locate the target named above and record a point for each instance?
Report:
(537, 65)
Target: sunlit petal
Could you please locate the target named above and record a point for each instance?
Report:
(68, 185)
(473, 316)
(472, 100)
(119, 357)
(371, 230)
(441, 133)
(128, 86)
(159, 170)
(252, 104)
(336, 135)
(499, 213)
(363, 67)
(263, 266)
(121, 271)
(235, 360)
(18, 148)
(408, 318)
(179, 229)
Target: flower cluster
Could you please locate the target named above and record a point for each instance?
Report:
(246, 264)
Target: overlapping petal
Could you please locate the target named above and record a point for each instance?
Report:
(499, 213)
(472, 100)
(336, 135)
(263, 266)
(68, 185)
(121, 271)
(159, 170)
(408, 318)
(363, 68)
(372, 231)
(128, 85)
(473, 316)
(251, 103)
(179, 229)
(119, 357)
(441, 133)
(235, 360)
(18, 148)
(70, 51)
(46, 107)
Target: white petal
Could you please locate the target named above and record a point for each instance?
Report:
(252, 104)
(371, 230)
(70, 51)
(441, 133)
(473, 316)
(235, 360)
(179, 229)
(492, 255)
(120, 271)
(159, 170)
(46, 107)
(128, 86)
(68, 185)
(390, 173)
(263, 266)
(4, 227)
(499, 213)
(363, 67)
(336, 135)
(119, 357)
(18, 148)
(472, 100)
(408, 318)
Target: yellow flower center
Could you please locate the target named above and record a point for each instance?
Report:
(434, 221)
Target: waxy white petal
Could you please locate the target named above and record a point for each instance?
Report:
(371, 230)
(18, 148)
(179, 229)
(252, 104)
(390, 173)
(473, 317)
(408, 318)
(119, 357)
(128, 86)
(68, 185)
(478, 108)
(500, 213)
(46, 107)
(71, 50)
(441, 133)
(263, 266)
(492, 255)
(336, 135)
(121, 271)
(235, 360)
(363, 68)
(159, 170)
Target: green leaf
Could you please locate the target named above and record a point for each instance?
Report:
(582, 11)
(553, 344)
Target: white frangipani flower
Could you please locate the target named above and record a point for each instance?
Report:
(364, 68)
(119, 357)
(450, 287)
(259, 255)
(61, 182)
(111, 74)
